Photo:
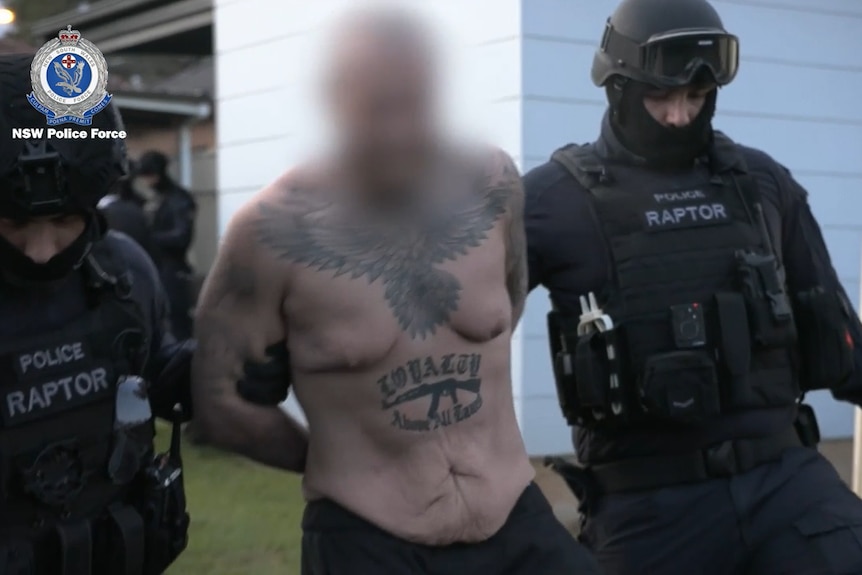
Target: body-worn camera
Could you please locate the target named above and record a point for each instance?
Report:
(689, 329)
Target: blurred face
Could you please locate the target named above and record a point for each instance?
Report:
(676, 107)
(383, 105)
(148, 180)
(40, 239)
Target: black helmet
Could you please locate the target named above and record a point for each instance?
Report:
(665, 43)
(47, 176)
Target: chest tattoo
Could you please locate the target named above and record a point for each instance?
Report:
(303, 229)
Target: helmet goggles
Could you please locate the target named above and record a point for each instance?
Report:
(675, 58)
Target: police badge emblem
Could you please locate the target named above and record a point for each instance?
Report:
(70, 79)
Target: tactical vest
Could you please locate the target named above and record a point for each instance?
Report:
(698, 319)
(60, 456)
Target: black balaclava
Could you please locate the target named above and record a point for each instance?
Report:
(19, 268)
(661, 147)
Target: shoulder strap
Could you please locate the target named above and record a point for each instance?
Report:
(107, 270)
(582, 162)
(725, 157)
(729, 164)
(111, 286)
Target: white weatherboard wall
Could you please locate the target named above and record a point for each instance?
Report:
(267, 118)
(796, 97)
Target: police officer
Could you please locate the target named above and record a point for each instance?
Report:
(82, 344)
(694, 304)
(172, 209)
(124, 211)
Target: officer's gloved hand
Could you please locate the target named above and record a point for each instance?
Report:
(577, 478)
(267, 383)
(172, 385)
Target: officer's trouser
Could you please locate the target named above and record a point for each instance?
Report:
(791, 517)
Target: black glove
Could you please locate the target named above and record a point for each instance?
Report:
(578, 479)
(267, 383)
(172, 384)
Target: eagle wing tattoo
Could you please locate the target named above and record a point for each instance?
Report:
(420, 296)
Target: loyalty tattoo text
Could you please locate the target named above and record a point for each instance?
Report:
(431, 392)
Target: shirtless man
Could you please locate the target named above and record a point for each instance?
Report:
(395, 273)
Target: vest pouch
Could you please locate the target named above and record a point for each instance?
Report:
(769, 309)
(592, 372)
(825, 347)
(564, 378)
(562, 337)
(680, 386)
(734, 346)
(132, 438)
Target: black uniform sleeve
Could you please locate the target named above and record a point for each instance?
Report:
(808, 265)
(566, 252)
(179, 236)
(169, 367)
(535, 216)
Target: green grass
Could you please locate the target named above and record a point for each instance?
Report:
(245, 517)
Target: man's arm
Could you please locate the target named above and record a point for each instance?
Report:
(504, 175)
(809, 266)
(239, 316)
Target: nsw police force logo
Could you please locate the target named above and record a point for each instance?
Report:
(70, 79)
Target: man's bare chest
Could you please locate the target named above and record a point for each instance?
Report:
(420, 264)
(408, 288)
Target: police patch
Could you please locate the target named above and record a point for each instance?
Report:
(684, 209)
(686, 217)
(70, 79)
(34, 364)
(41, 399)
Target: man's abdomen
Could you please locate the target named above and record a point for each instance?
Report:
(428, 449)
(433, 493)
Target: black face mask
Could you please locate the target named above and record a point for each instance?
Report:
(660, 146)
(20, 268)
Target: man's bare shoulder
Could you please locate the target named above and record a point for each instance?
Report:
(493, 164)
(268, 209)
(497, 174)
(299, 183)
(288, 193)
(288, 221)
